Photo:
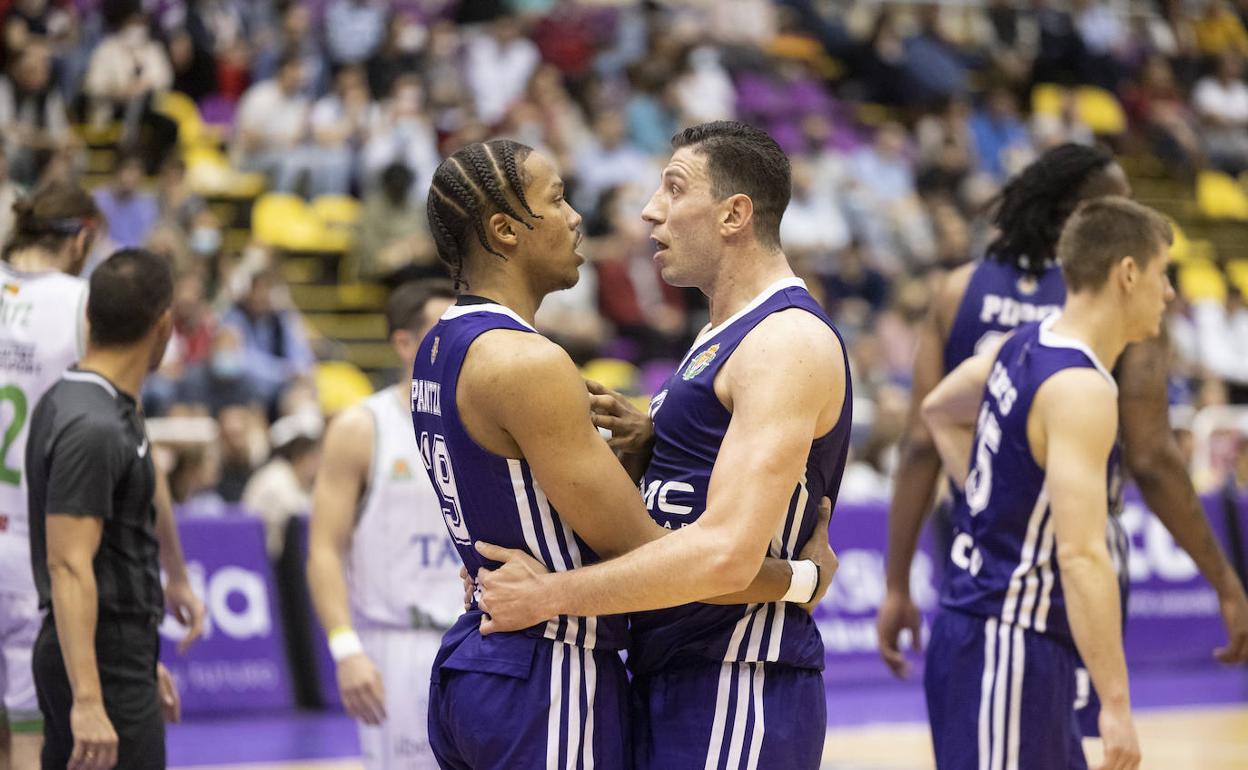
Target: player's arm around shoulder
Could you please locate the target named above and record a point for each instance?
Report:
(786, 386)
(950, 410)
(523, 393)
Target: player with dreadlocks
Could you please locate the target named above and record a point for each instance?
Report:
(502, 421)
(1019, 281)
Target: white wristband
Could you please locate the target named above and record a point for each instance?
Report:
(343, 643)
(804, 583)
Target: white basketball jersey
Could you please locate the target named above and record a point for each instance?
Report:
(404, 570)
(41, 335)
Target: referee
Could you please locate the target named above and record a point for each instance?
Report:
(93, 533)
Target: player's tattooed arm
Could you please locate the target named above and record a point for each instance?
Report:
(1156, 463)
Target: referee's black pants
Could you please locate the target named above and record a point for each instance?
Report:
(126, 650)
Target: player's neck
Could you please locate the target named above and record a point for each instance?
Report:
(124, 367)
(35, 260)
(742, 277)
(506, 290)
(1095, 323)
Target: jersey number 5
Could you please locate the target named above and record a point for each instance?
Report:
(438, 462)
(979, 481)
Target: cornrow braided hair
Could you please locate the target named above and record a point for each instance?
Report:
(1033, 207)
(468, 188)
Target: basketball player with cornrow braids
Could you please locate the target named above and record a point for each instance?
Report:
(502, 422)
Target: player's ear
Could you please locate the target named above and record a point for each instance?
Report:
(1129, 270)
(501, 230)
(737, 215)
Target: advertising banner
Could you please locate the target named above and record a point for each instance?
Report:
(240, 661)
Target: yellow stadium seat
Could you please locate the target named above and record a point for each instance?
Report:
(337, 210)
(1218, 196)
(1046, 99)
(277, 219)
(1201, 281)
(181, 109)
(339, 385)
(1101, 110)
(612, 372)
(1237, 274)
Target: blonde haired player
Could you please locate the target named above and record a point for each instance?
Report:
(386, 604)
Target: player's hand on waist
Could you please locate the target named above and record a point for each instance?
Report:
(95, 740)
(631, 429)
(818, 550)
(514, 596)
(470, 587)
(363, 695)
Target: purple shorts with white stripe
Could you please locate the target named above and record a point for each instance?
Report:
(1000, 697)
(729, 716)
(516, 702)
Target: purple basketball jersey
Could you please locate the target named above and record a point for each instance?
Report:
(689, 426)
(485, 496)
(1003, 555)
(998, 298)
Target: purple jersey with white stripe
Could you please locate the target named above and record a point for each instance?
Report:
(997, 299)
(689, 426)
(485, 496)
(1004, 556)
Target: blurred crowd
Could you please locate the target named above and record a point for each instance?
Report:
(902, 121)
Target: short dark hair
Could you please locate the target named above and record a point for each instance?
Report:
(406, 308)
(1032, 207)
(744, 159)
(478, 181)
(128, 293)
(1104, 230)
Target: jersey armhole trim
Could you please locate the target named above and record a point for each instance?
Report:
(81, 323)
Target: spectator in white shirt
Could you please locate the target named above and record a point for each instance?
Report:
(499, 65)
(127, 71)
(273, 132)
(400, 131)
(1221, 101)
(354, 30)
(339, 127)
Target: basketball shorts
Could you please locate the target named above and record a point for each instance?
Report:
(1001, 697)
(19, 627)
(729, 716)
(522, 703)
(405, 659)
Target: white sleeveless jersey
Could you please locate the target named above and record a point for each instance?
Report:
(404, 570)
(41, 335)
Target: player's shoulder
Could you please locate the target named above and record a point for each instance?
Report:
(1079, 394)
(950, 291)
(792, 334)
(515, 356)
(353, 426)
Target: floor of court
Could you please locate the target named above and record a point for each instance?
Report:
(1194, 718)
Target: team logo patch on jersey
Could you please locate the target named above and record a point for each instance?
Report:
(433, 354)
(700, 362)
(401, 471)
(1027, 285)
